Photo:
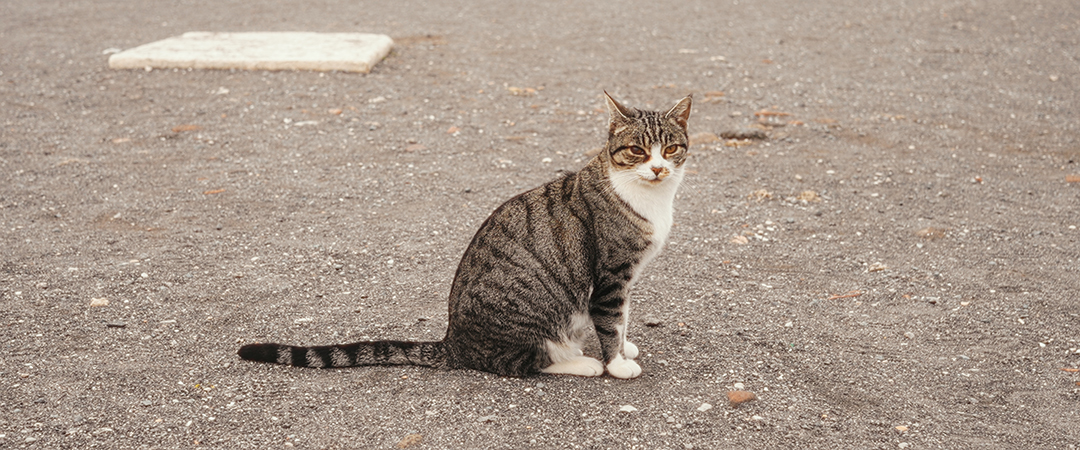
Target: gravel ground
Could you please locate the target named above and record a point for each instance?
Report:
(896, 265)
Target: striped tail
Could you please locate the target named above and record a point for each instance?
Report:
(377, 353)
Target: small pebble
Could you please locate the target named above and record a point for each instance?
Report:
(757, 418)
(652, 321)
(704, 407)
(146, 403)
(487, 419)
(738, 386)
(410, 440)
(909, 335)
(115, 324)
(627, 409)
(736, 398)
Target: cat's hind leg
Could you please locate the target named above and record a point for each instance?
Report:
(566, 359)
(582, 366)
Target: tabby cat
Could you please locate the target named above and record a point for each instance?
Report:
(547, 265)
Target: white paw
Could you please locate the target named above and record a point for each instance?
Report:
(582, 366)
(629, 350)
(623, 368)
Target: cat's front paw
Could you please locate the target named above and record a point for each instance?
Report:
(629, 350)
(623, 368)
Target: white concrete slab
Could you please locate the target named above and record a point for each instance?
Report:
(348, 52)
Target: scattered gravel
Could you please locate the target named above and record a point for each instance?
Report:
(923, 181)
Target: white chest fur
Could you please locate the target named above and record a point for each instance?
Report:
(651, 201)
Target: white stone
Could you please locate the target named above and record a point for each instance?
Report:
(704, 407)
(348, 52)
(627, 408)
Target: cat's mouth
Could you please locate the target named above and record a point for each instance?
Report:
(655, 177)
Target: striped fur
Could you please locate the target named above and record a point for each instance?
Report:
(548, 265)
(380, 353)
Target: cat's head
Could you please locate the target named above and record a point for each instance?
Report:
(650, 145)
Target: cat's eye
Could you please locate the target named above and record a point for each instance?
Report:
(671, 150)
(637, 150)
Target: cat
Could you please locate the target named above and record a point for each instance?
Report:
(549, 264)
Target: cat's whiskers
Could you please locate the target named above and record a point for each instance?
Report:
(688, 183)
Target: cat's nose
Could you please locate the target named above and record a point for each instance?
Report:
(656, 170)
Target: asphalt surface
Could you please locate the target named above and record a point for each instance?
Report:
(895, 266)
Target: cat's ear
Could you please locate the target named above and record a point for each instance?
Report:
(680, 112)
(619, 114)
